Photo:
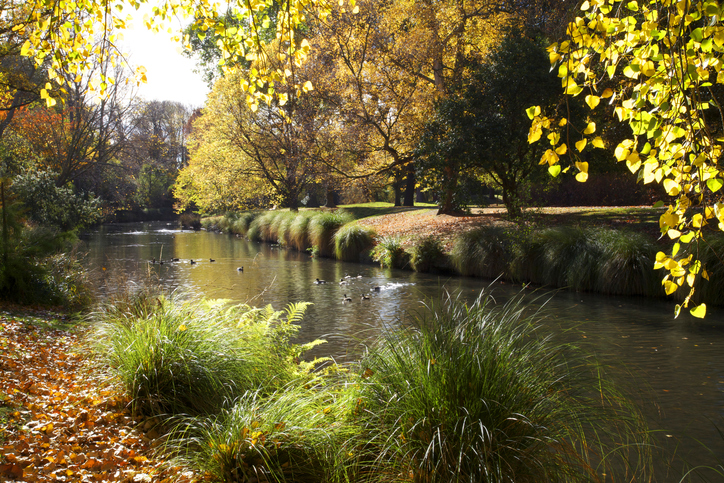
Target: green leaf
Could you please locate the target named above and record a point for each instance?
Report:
(555, 170)
(714, 184)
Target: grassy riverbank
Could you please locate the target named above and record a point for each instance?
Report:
(466, 393)
(605, 250)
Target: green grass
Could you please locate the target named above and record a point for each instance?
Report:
(351, 241)
(428, 253)
(195, 358)
(476, 393)
(322, 228)
(365, 210)
(390, 253)
(462, 393)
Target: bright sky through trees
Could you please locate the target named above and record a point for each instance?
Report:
(170, 74)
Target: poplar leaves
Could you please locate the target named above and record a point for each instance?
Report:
(658, 67)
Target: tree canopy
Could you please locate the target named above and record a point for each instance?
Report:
(656, 67)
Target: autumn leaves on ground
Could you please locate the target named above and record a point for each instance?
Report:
(60, 420)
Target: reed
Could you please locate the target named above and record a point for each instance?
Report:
(476, 393)
(322, 228)
(351, 241)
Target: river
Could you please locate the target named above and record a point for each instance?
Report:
(675, 367)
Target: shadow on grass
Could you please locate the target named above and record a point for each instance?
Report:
(366, 210)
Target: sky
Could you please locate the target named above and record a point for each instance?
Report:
(170, 74)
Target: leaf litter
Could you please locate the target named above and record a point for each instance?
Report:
(60, 421)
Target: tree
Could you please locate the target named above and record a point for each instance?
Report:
(659, 66)
(271, 153)
(481, 125)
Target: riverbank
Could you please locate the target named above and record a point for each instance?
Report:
(586, 249)
(60, 421)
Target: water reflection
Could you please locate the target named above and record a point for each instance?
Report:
(678, 365)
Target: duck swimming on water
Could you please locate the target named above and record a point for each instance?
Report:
(319, 282)
(346, 299)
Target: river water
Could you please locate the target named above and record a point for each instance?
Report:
(675, 367)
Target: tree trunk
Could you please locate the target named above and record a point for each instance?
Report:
(397, 187)
(410, 182)
(447, 205)
(329, 196)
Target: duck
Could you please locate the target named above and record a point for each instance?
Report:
(211, 260)
(192, 262)
(346, 299)
(319, 282)
(343, 281)
(239, 269)
(365, 296)
(153, 260)
(376, 289)
(174, 259)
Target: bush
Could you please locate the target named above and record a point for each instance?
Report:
(427, 254)
(322, 228)
(351, 241)
(390, 253)
(475, 393)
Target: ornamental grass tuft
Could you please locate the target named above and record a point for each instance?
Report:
(322, 228)
(351, 241)
(472, 393)
(390, 253)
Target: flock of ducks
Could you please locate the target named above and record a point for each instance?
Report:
(346, 281)
(342, 281)
(191, 262)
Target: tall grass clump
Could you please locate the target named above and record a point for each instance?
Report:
(472, 393)
(626, 266)
(239, 222)
(212, 223)
(351, 241)
(281, 226)
(177, 357)
(298, 233)
(427, 254)
(390, 253)
(484, 252)
(298, 434)
(322, 228)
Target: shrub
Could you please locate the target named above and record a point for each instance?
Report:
(626, 264)
(322, 228)
(390, 253)
(475, 393)
(427, 253)
(351, 241)
(213, 223)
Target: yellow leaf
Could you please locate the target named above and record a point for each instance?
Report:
(582, 177)
(580, 145)
(590, 129)
(532, 112)
(592, 101)
(699, 311)
(670, 287)
(607, 93)
(562, 149)
(597, 142)
(672, 187)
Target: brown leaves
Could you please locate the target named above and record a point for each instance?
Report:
(57, 424)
